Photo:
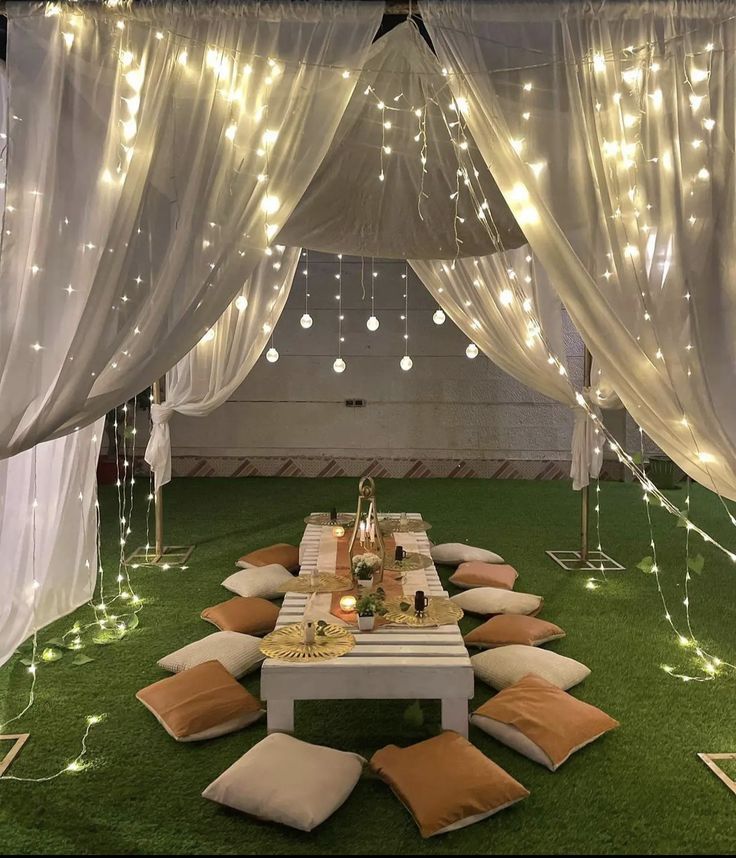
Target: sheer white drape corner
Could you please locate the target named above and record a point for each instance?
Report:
(207, 376)
(609, 129)
(146, 176)
(505, 304)
(48, 533)
(153, 156)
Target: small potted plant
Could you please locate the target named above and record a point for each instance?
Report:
(368, 607)
(364, 568)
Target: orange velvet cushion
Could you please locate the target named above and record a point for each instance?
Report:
(508, 629)
(200, 703)
(477, 574)
(246, 614)
(446, 783)
(542, 721)
(282, 553)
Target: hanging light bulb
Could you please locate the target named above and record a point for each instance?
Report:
(472, 351)
(372, 324)
(339, 365)
(406, 363)
(306, 321)
(439, 317)
(272, 355)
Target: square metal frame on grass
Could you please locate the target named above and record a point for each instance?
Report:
(20, 740)
(709, 760)
(571, 561)
(170, 556)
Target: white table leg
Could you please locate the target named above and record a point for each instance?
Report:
(280, 716)
(455, 715)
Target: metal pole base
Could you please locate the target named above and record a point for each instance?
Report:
(169, 557)
(596, 561)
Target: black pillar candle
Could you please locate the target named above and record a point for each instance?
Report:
(333, 515)
(399, 555)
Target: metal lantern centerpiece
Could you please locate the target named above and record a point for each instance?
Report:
(367, 537)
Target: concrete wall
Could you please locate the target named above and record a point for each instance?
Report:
(446, 407)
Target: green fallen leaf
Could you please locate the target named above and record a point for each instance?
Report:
(51, 654)
(414, 715)
(58, 642)
(26, 661)
(130, 622)
(696, 564)
(645, 564)
(108, 636)
(82, 659)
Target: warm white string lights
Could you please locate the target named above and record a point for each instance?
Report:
(406, 362)
(306, 320)
(339, 364)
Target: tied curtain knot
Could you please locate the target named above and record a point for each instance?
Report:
(158, 450)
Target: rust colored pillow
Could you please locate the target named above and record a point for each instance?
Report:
(508, 629)
(541, 721)
(200, 703)
(282, 553)
(246, 614)
(446, 783)
(477, 574)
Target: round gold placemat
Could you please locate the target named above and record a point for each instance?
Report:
(325, 583)
(441, 611)
(411, 562)
(287, 643)
(345, 519)
(392, 524)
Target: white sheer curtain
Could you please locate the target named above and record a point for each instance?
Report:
(48, 533)
(206, 377)
(402, 124)
(155, 154)
(610, 130)
(504, 304)
(152, 155)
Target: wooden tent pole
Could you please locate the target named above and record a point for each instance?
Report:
(585, 493)
(158, 393)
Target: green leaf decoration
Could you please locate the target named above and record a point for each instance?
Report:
(82, 659)
(681, 520)
(645, 564)
(51, 654)
(696, 564)
(26, 661)
(131, 622)
(654, 500)
(414, 715)
(108, 636)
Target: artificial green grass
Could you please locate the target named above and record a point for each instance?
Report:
(638, 790)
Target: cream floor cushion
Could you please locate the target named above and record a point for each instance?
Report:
(265, 582)
(237, 653)
(493, 600)
(454, 553)
(506, 665)
(282, 779)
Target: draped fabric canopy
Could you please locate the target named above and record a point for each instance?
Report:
(401, 124)
(153, 153)
(609, 128)
(506, 306)
(146, 176)
(206, 377)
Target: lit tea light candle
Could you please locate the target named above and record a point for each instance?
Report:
(338, 531)
(347, 604)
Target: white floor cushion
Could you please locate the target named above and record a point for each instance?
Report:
(282, 779)
(506, 665)
(262, 581)
(237, 653)
(454, 553)
(485, 601)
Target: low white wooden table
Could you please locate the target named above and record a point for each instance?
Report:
(392, 662)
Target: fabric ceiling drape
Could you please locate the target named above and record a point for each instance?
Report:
(153, 153)
(609, 128)
(397, 159)
(156, 151)
(207, 376)
(504, 303)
